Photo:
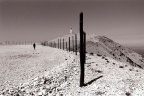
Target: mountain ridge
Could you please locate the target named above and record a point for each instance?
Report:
(107, 47)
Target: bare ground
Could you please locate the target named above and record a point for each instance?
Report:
(19, 63)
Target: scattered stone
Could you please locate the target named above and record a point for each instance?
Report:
(128, 94)
(121, 66)
(92, 54)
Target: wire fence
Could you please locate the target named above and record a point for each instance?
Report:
(20, 42)
(70, 43)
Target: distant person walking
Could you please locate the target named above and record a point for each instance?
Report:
(34, 45)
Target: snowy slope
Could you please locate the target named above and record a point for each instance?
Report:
(104, 46)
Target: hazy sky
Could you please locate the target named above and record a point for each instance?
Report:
(41, 20)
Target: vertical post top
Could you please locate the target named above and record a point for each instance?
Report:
(81, 13)
(81, 17)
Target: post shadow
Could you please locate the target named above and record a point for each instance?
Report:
(90, 82)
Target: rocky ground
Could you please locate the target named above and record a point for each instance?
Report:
(19, 63)
(104, 76)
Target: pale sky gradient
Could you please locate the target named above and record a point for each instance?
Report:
(41, 20)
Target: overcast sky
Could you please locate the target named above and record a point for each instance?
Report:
(41, 20)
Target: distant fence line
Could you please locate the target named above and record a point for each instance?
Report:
(19, 42)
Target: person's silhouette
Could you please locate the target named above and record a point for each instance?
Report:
(34, 45)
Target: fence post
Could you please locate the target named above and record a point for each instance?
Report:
(69, 44)
(76, 43)
(63, 43)
(81, 51)
(60, 43)
(73, 43)
(66, 46)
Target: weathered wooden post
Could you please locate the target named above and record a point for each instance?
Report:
(69, 44)
(73, 43)
(76, 43)
(63, 43)
(60, 43)
(66, 46)
(81, 51)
